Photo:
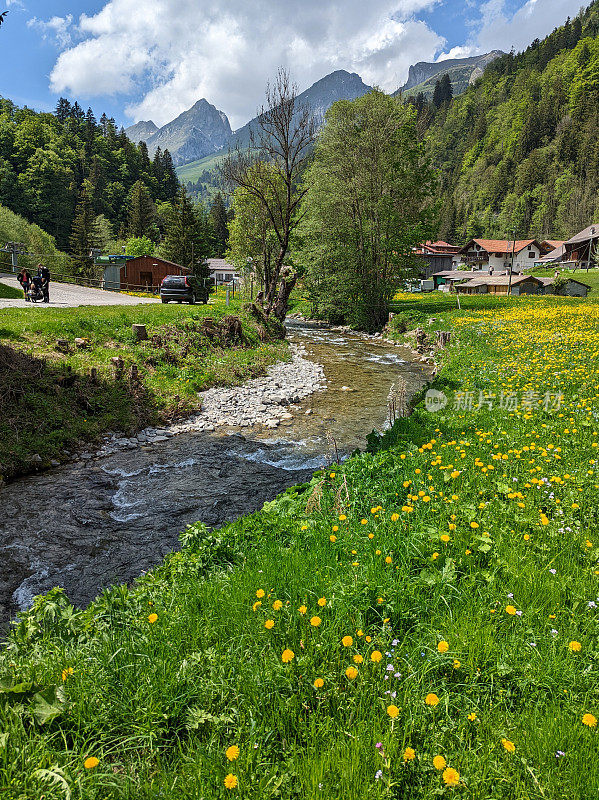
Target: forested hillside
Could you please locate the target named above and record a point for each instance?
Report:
(56, 167)
(520, 148)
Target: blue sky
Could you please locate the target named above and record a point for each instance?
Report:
(151, 59)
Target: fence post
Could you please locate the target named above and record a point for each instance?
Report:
(228, 299)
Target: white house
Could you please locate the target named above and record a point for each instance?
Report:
(222, 271)
(496, 254)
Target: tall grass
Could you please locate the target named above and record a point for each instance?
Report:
(463, 569)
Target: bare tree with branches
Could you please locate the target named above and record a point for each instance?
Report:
(270, 170)
(3, 16)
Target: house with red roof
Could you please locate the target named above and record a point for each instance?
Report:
(497, 254)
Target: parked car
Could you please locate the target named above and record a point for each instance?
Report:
(183, 289)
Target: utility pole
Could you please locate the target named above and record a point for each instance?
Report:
(509, 285)
(15, 249)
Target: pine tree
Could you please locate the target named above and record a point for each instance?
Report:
(142, 213)
(63, 109)
(218, 223)
(443, 91)
(84, 233)
(169, 182)
(185, 242)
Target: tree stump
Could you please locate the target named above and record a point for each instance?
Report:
(62, 345)
(119, 365)
(140, 332)
(443, 338)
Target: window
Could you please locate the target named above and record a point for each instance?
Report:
(532, 254)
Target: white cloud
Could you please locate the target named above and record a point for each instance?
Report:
(498, 29)
(170, 53)
(57, 29)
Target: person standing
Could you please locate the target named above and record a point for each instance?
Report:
(24, 279)
(44, 274)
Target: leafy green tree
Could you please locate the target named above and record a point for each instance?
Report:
(253, 243)
(140, 246)
(369, 203)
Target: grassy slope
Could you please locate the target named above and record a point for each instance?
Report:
(474, 528)
(9, 292)
(43, 415)
(193, 170)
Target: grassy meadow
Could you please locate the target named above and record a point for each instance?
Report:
(419, 622)
(9, 292)
(50, 403)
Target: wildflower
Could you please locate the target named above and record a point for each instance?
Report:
(544, 520)
(351, 673)
(444, 538)
(456, 664)
(332, 475)
(347, 641)
(230, 781)
(378, 775)
(277, 605)
(368, 639)
(256, 605)
(431, 700)
(439, 763)
(474, 525)
(394, 517)
(260, 594)
(302, 610)
(152, 618)
(335, 528)
(409, 754)
(443, 646)
(232, 752)
(455, 474)
(91, 762)
(509, 746)
(451, 776)
(66, 672)
(342, 517)
(318, 683)
(393, 711)
(376, 656)
(287, 656)
(589, 720)
(435, 556)
(358, 659)
(322, 601)
(510, 610)
(332, 538)
(472, 716)
(363, 522)
(388, 560)
(575, 647)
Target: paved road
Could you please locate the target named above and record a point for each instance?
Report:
(67, 295)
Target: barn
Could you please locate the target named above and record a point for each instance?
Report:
(137, 274)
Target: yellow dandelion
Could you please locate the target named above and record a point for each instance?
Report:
(351, 673)
(318, 683)
(315, 621)
(575, 647)
(589, 720)
(91, 762)
(287, 656)
(409, 754)
(393, 711)
(347, 641)
(451, 776)
(256, 605)
(260, 594)
(277, 605)
(445, 538)
(456, 664)
(152, 618)
(510, 610)
(270, 623)
(66, 672)
(431, 700)
(322, 601)
(509, 746)
(302, 609)
(443, 646)
(472, 716)
(230, 781)
(358, 659)
(439, 763)
(232, 752)
(376, 656)
(332, 538)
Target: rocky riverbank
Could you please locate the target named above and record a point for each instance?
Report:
(265, 401)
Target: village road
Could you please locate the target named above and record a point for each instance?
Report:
(67, 295)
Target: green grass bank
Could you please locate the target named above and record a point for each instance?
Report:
(419, 622)
(50, 401)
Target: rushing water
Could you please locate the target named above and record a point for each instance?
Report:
(85, 526)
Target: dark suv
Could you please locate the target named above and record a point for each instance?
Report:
(183, 289)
